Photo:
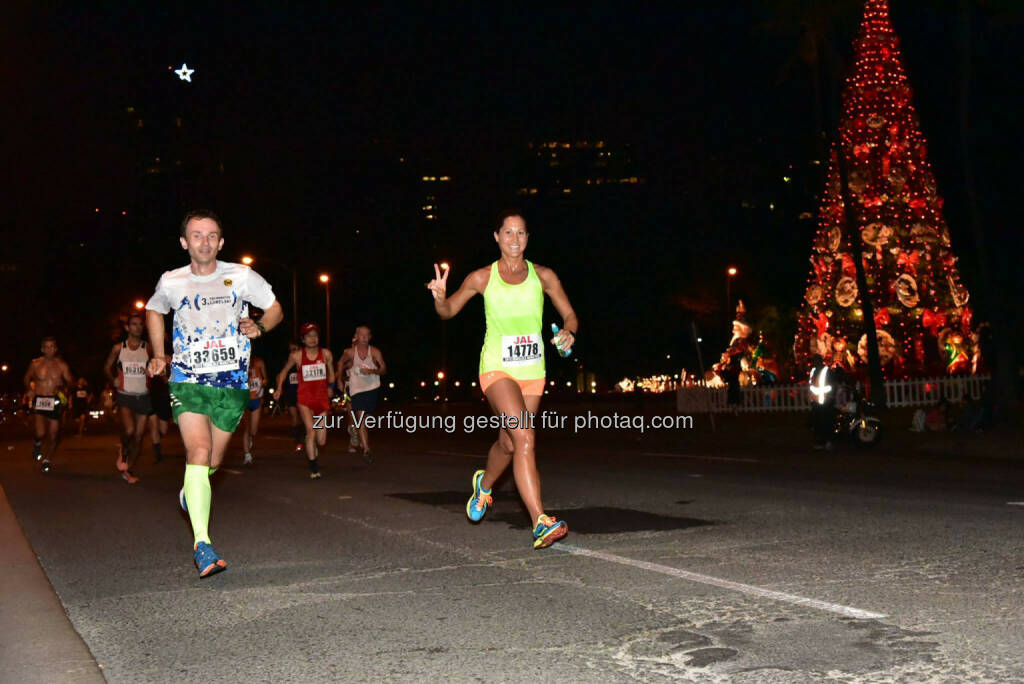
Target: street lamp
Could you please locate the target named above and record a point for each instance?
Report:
(326, 280)
(248, 261)
(139, 304)
(729, 275)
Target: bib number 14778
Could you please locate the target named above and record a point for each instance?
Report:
(520, 350)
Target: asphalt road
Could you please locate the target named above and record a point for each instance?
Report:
(698, 562)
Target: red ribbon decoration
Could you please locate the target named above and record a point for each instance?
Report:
(910, 260)
(933, 320)
(849, 269)
(965, 320)
(821, 323)
(882, 318)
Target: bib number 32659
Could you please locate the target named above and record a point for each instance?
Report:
(520, 350)
(214, 356)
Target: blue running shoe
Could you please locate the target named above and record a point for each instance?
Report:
(181, 500)
(548, 531)
(481, 499)
(207, 560)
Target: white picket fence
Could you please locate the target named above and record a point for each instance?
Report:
(921, 392)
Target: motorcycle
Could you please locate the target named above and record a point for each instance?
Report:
(857, 419)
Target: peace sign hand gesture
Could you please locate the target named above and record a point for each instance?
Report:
(439, 285)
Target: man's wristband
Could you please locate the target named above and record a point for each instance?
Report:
(263, 328)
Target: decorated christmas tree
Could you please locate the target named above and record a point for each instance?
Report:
(921, 311)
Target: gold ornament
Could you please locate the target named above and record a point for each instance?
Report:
(846, 291)
(813, 295)
(906, 291)
(886, 347)
(876, 234)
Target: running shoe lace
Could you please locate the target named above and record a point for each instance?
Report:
(483, 500)
(547, 520)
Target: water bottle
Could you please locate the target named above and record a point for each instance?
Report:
(563, 354)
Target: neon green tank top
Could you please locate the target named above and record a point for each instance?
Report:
(514, 313)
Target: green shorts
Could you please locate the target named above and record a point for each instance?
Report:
(224, 405)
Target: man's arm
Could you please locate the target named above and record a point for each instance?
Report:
(29, 375)
(272, 315)
(293, 359)
(329, 358)
(69, 380)
(109, 365)
(155, 326)
(378, 358)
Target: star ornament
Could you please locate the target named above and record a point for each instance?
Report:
(184, 73)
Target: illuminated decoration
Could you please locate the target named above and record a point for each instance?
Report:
(896, 214)
(625, 385)
(184, 73)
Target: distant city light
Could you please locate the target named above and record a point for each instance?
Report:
(247, 260)
(324, 278)
(391, 385)
(139, 304)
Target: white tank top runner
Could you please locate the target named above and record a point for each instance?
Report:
(133, 369)
(357, 382)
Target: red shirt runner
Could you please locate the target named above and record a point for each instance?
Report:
(312, 391)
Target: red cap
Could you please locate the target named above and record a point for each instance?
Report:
(306, 327)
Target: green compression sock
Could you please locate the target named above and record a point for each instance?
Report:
(197, 493)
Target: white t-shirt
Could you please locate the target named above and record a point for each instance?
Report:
(209, 348)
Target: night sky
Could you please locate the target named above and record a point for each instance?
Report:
(308, 130)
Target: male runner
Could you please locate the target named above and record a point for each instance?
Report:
(46, 380)
(80, 400)
(210, 368)
(257, 381)
(512, 363)
(364, 365)
(129, 359)
(290, 400)
(316, 377)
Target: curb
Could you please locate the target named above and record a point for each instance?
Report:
(37, 640)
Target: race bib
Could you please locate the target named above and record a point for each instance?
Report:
(214, 356)
(255, 384)
(45, 403)
(314, 371)
(520, 350)
(81, 394)
(133, 369)
(293, 378)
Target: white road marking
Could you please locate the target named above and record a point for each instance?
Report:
(1015, 503)
(701, 458)
(344, 496)
(845, 611)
